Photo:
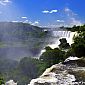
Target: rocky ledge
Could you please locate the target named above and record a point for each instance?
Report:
(70, 72)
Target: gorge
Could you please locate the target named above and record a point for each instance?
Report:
(18, 40)
(31, 40)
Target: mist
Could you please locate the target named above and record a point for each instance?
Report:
(18, 40)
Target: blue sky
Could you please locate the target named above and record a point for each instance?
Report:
(43, 12)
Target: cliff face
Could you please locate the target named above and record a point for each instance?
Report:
(69, 73)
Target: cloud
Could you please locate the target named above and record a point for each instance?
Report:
(36, 23)
(15, 21)
(26, 21)
(53, 11)
(4, 2)
(49, 12)
(75, 22)
(67, 9)
(68, 18)
(60, 21)
(30, 22)
(24, 17)
(69, 12)
(45, 11)
(71, 17)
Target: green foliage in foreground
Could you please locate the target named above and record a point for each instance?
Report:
(52, 56)
(24, 71)
(1, 80)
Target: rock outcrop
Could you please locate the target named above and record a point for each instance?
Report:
(63, 74)
(11, 82)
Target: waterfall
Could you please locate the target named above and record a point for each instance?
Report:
(56, 35)
(62, 34)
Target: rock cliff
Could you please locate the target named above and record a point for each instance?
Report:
(70, 72)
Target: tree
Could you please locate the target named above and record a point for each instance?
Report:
(78, 47)
(52, 56)
(63, 44)
(1, 80)
(48, 48)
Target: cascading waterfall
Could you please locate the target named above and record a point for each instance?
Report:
(62, 34)
(56, 35)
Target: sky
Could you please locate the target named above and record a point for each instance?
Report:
(49, 13)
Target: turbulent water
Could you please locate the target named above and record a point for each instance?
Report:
(62, 34)
(56, 35)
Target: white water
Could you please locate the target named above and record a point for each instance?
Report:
(62, 78)
(62, 34)
(59, 35)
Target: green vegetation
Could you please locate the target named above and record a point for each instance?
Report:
(1, 80)
(52, 56)
(78, 47)
(63, 44)
(22, 71)
(28, 68)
